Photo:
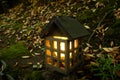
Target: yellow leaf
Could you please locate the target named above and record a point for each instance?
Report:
(25, 57)
(100, 46)
(89, 55)
(83, 78)
(88, 45)
(94, 63)
(106, 28)
(87, 27)
(108, 49)
(111, 43)
(86, 49)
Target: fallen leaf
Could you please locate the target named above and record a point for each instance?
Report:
(99, 4)
(118, 73)
(89, 55)
(100, 46)
(94, 63)
(25, 57)
(88, 45)
(118, 57)
(83, 78)
(86, 49)
(87, 27)
(111, 43)
(16, 63)
(108, 49)
(37, 54)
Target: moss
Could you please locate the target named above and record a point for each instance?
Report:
(14, 51)
(34, 75)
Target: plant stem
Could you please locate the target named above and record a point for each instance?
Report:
(98, 25)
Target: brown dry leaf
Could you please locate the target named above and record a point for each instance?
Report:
(117, 13)
(83, 78)
(99, 4)
(118, 73)
(39, 30)
(116, 48)
(118, 57)
(62, 1)
(7, 31)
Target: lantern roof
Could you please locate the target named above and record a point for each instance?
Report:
(67, 25)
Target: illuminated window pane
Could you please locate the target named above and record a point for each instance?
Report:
(55, 44)
(75, 43)
(62, 46)
(48, 60)
(47, 43)
(75, 51)
(70, 55)
(70, 45)
(55, 54)
(48, 52)
(62, 56)
(71, 64)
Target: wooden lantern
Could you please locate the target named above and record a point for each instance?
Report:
(63, 36)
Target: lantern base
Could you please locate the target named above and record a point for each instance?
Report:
(53, 75)
(67, 71)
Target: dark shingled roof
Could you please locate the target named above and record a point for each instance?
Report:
(69, 26)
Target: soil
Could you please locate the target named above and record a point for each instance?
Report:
(26, 63)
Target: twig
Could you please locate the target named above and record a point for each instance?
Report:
(98, 25)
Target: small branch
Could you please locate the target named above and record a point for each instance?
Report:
(98, 25)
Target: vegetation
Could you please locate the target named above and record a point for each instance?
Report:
(105, 68)
(21, 23)
(14, 51)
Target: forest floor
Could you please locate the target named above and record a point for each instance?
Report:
(20, 29)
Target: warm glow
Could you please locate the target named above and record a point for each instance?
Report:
(62, 55)
(48, 52)
(75, 43)
(47, 43)
(55, 44)
(62, 46)
(59, 37)
(70, 55)
(49, 60)
(70, 45)
(55, 54)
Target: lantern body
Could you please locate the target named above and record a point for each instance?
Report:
(61, 54)
(63, 36)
